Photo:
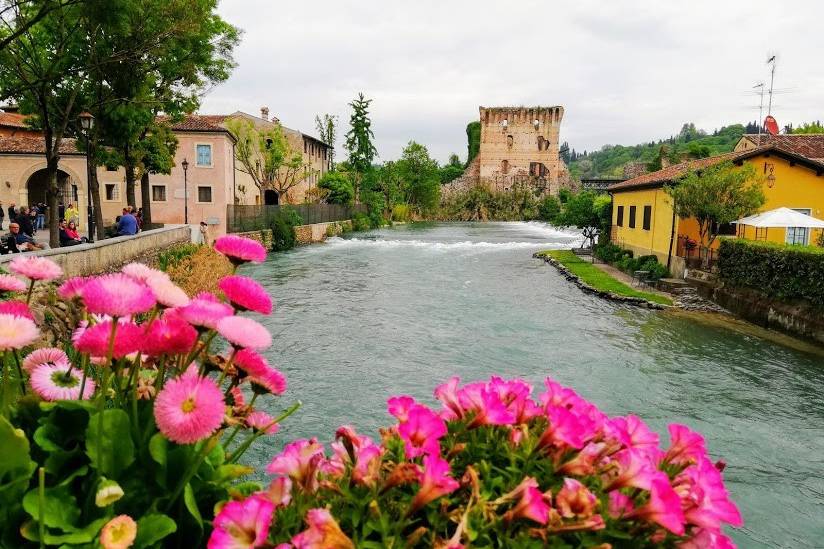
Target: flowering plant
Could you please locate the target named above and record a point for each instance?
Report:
(492, 468)
(130, 433)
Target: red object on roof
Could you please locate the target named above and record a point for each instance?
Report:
(771, 125)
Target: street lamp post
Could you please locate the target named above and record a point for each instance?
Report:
(86, 124)
(185, 165)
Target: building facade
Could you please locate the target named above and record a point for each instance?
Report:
(644, 222)
(520, 145)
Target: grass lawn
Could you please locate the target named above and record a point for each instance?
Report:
(598, 279)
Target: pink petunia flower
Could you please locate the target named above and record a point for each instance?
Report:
(16, 332)
(632, 432)
(169, 335)
(45, 355)
(242, 524)
(189, 408)
(299, 460)
(584, 463)
(205, 311)
(515, 395)
(486, 405)
(94, 340)
(10, 283)
(72, 288)
(686, 446)
(434, 480)
(705, 538)
(244, 332)
(399, 406)
(246, 294)
(118, 533)
(704, 497)
(323, 533)
(166, 292)
(264, 378)
(240, 250)
(532, 503)
(261, 421)
(663, 507)
(574, 500)
(54, 382)
(35, 268)
(116, 295)
(422, 431)
(280, 491)
(565, 429)
(619, 504)
(447, 393)
(630, 467)
(361, 452)
(17, 308)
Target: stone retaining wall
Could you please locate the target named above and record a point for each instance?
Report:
(111, 253)
(306, 234)
(566, 273)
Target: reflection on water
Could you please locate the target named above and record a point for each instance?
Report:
(399, 310)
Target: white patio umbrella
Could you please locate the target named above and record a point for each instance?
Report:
(781, 217)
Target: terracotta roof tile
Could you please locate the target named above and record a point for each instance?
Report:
(13, 120)
(34, 145)
(197, 123)
(809, 145)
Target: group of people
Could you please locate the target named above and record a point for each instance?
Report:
(24, 222)
(129, 222)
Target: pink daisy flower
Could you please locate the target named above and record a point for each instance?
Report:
(170, 335)
(36, 268)
(52, 382)
(45, 355)
(140, 272)
(117, 295)
(167, 292)
(261, 421)
(16, 332)
(10, 283)
(246, 294)
(72, 287)
(189, 408)
(242, 524)
(94, 340)
(240, 250)
(205, 311)
(244, 332)
(17, 308)
(263, 377)
(118, 533)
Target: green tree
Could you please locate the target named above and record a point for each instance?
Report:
(810, 127)
(266, 155)
(473, 139)
(362, 151)
(717, 195)
(589, 211)
(18, 16)
(549, 208)
(328, 131)
(339, 187)
(420, 176)
(389, 183)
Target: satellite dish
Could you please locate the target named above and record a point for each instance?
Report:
(770, 125)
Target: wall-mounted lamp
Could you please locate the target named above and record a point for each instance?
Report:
(770, 181)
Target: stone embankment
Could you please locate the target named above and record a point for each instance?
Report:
(305, 234)
(637, 301)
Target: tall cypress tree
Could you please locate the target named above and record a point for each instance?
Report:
(359, 141)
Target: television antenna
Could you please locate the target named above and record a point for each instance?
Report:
(760, 85)
(771, 61)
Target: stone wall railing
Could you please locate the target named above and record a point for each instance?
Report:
(111, 253)
(305, 234)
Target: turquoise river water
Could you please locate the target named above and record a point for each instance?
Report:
(397, 311)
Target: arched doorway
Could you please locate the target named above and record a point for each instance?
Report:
(271, 197)
(37, 187)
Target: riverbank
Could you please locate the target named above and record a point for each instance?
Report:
(592, 279)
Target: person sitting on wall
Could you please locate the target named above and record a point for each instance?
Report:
(23, 221)
(127, 224)
(24, 242)
(68, 235)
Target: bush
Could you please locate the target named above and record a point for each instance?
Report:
(401, 212)
(623, 260)
(786, 272)
(339, 187)
(283, 229)
(175, 254)
(609, 253)
(549, 208)
(361, 222)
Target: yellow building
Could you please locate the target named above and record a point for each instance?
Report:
(643, 219)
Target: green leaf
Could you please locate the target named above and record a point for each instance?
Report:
(153, 528)
(60, 508)
(116, 448)
(191, 504)
(86, 534)
(158, 447)
(232, 471)
(16, 466)
(217, 456)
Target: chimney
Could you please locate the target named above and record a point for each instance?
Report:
(264, 113)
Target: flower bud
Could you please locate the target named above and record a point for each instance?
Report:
(108, 491)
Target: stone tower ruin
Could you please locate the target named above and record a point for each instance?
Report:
(519, 145)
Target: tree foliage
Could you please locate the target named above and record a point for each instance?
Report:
(473, 138)
(717, 195)
(267, 156)
(358, 144)
(589, 211)
(809, 127)
(420, 177)
(327, 127)
(339, 187)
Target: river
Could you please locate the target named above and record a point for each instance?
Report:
(399, 310)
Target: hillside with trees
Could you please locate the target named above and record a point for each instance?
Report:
(690, 142)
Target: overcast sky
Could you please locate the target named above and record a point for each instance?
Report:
(625, 72)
